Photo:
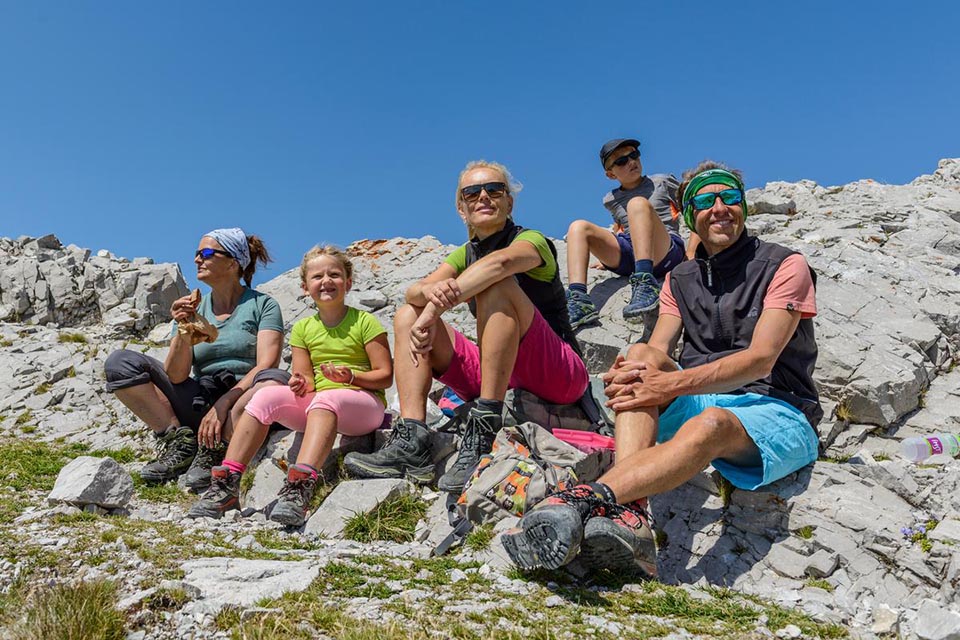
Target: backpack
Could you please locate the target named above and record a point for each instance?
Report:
(527, 463)
(584, 415)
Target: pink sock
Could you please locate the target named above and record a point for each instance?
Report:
(314, 474)
(235, 466)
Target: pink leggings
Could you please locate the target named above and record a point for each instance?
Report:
(358, 412)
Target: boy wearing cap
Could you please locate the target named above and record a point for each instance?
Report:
(645, 244)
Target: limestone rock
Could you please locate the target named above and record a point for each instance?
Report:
(350, 498)
(241, 582)
(93, 481)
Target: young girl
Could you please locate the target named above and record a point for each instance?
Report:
(341, 365)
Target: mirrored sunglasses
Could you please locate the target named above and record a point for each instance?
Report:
(206, 253)
(727, 196)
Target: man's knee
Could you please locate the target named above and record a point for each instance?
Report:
(646, 353)
(715, 426)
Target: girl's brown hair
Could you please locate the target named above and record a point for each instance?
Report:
(258, 253)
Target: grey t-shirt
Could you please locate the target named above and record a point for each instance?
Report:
(660, 189)
(236, 346)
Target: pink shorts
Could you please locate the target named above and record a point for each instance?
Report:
(358, 412)
(546, 366)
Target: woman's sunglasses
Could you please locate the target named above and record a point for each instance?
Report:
(493, 189)
(727, 196)
(206, 253)
(623, 160)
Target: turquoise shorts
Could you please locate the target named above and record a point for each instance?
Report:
(781, 432)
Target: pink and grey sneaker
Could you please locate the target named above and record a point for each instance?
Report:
(621, 540)
(549, 535)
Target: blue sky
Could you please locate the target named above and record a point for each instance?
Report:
(137, 126)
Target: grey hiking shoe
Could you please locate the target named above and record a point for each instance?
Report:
(176, 449)
(479, 432)
(549, 535)
(294, 497)
(406, 453)
(581, 309)
(621, 541)
(222, 495)
(644, 296)
(197, 477)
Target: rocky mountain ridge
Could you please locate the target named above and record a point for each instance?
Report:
(827, 540)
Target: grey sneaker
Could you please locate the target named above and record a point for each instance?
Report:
(222, 495)
(479, 432)
(197, 477)
(581, 309)
(644, 296)
(621, 540)
(175, 451)
(406, 453)
(294, 497)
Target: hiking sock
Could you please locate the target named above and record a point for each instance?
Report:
(235, 466)
(603, 492)
(643, 266)
(312, 470)
(579, 287)
(493, 406)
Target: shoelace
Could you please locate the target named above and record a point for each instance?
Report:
(205, 457)
(297, 488)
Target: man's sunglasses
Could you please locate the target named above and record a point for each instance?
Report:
(623, 160)
(206, 253)
(706, 200)
(493, 189)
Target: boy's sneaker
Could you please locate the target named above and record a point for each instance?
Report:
(176, 448)
(550, 534)
(479, 432)
(644, 296)
(406, 453)
(621, 541)
(581, 309)
(294, 497)
(222, 495)
(197, 477)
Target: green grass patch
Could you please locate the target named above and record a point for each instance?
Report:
(805, 532)
(24, 417)
(122, 455)
(393, 519)
(479, 538)
(83, 611)
(168, 492)
(29, 464)
(6, 343)
(42, 388)
(819, 583)
(78, 338)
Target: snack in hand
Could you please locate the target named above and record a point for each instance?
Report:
(196, 326)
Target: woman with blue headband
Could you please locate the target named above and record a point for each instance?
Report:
(182, 409)
(742, 399)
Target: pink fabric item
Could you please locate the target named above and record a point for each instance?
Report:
(233, 465)
(546, 366)
(358, 412)
(791, 288)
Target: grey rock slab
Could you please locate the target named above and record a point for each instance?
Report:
(947, 530)
(92, 481)
(936, 622)
(241, 582)
(350, 498)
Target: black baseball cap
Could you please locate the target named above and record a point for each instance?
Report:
(607, 150)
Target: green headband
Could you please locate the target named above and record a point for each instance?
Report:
(702, 179)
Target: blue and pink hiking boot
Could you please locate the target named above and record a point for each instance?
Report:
(550, 534)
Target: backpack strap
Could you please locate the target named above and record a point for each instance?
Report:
(597, 416)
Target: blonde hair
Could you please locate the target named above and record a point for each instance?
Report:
(326, 250)
(514, 186)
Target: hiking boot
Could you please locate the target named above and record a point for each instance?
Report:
(175, 451)
(550, 534)
(197, 477)
(644, 296)
(478, 434)
(406, 453)
(581, 309)
(294, 497)
(222, 495)
(622, 540)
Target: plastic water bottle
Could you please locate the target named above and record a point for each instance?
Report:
(919, 449)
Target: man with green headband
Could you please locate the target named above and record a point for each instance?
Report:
(742, 398)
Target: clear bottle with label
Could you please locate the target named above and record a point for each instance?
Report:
(919, 449)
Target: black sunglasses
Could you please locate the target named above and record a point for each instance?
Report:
(493, 189)
(206, 253)
(622, 160)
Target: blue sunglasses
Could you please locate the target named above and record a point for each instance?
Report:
(706, 200)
